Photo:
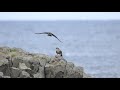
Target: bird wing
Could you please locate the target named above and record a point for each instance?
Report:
(42, 33)
(49, 33)
(56, 37)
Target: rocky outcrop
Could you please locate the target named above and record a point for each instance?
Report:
(16, 63)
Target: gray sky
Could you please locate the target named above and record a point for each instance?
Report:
(59, 15)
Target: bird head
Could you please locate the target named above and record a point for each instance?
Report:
(57, 48)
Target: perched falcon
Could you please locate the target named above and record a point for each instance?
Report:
(59, 52)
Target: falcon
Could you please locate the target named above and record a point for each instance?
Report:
(58, 51)
(49, 34)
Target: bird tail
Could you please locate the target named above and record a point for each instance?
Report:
(61, 54)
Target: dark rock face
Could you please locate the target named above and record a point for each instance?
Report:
(16, 63)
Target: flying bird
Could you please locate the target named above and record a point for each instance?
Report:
(49, 34)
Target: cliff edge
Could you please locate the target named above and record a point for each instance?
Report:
(17, 63)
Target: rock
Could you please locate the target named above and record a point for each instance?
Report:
(1, 74)
(35, 67)
(69, 65)
(23, 66)
(15, 72)
(6, 77)
(5, 69)
(4, 50)
(48, 71)
(78, 72)
(17, 63)
(69, 70)
(62, 69)
(27, 63)
(40, 73)
(57, 58)
(24, 74)
(3, 62)
(31, 73)
(55, 70)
